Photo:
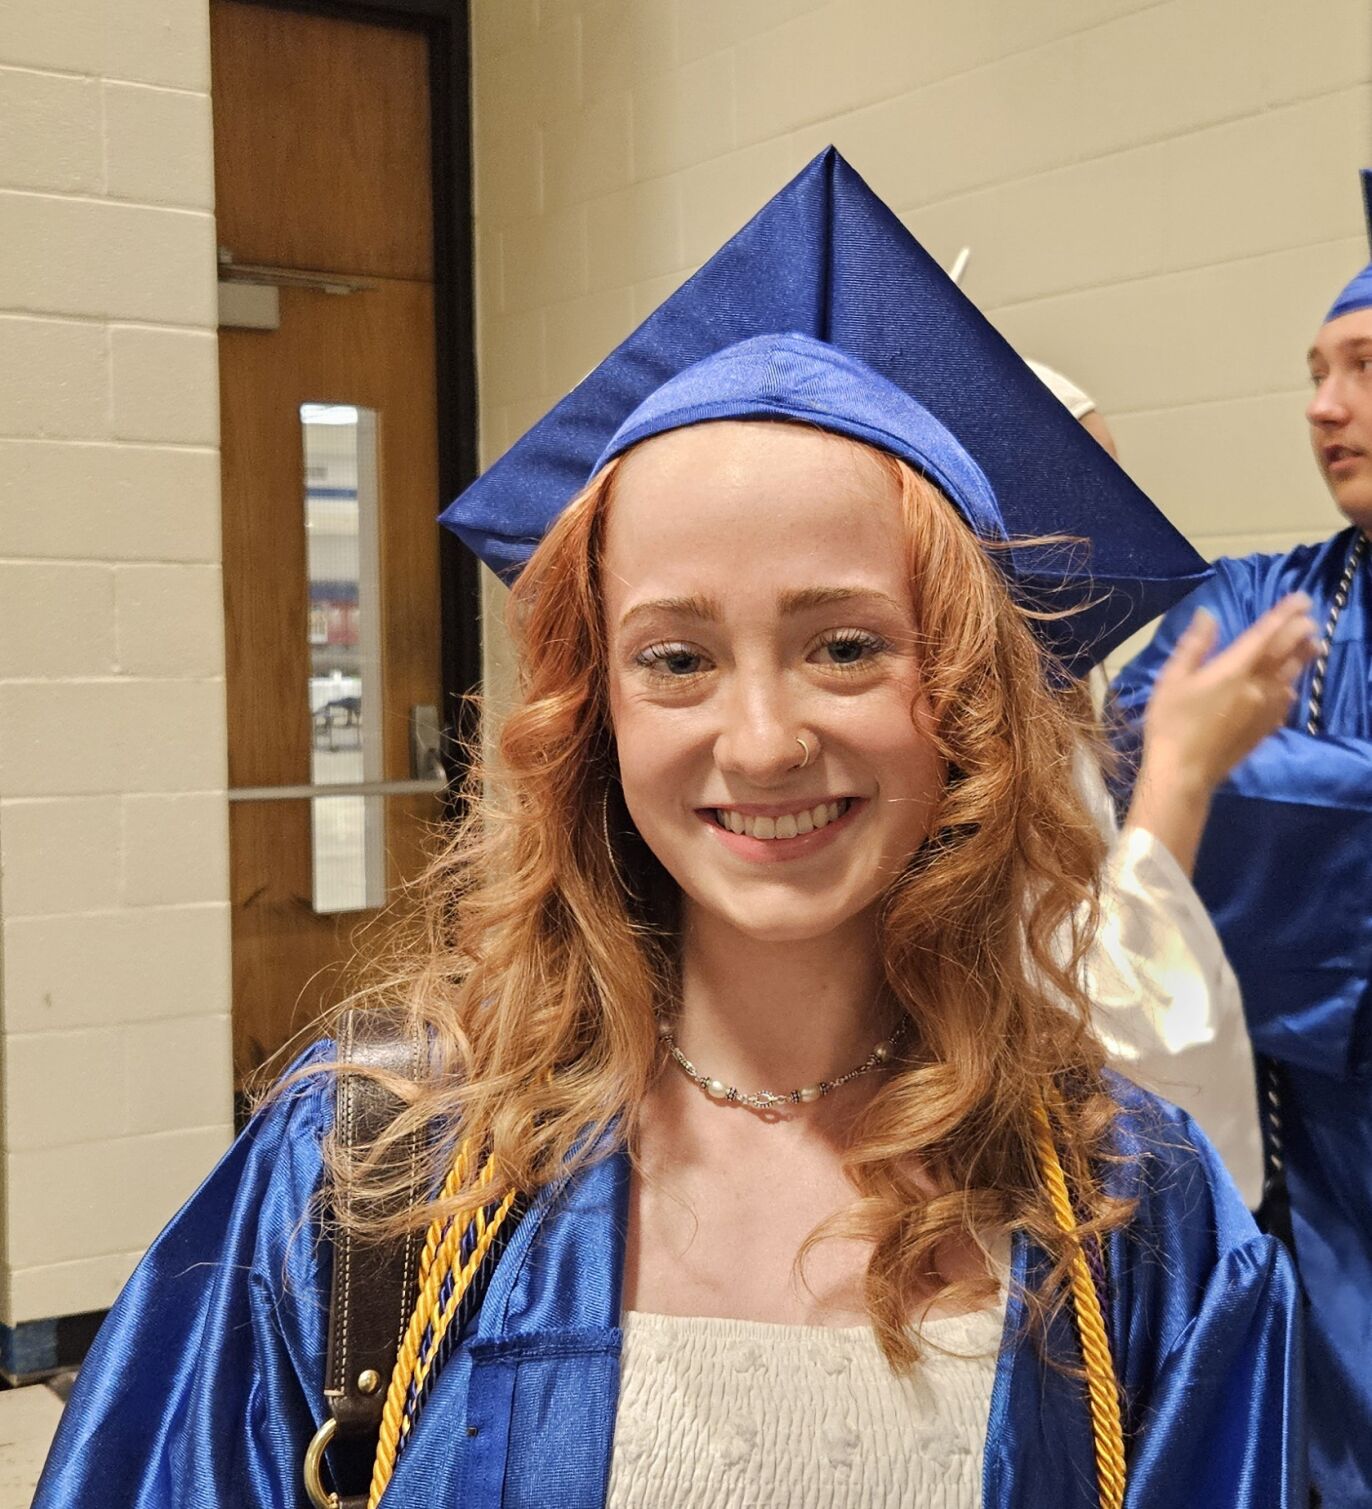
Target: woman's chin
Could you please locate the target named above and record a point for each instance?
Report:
(779, 920)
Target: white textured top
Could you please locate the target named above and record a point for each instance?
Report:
(736, 1414)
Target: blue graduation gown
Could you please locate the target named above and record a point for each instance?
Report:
(1286, 870)
(204, 1385)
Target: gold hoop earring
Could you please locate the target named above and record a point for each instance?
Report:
(620, 878)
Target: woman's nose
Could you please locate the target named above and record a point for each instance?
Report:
(757, 739)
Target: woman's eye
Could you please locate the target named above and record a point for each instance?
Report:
(850, 649)
(671, 660)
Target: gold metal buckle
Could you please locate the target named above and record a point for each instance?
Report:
(314, 1458)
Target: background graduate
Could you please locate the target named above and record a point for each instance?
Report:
(1286, 869)
(786, 801)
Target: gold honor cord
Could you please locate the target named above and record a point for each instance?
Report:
(439, 1301)
(1101, 1385)
(434, 1311)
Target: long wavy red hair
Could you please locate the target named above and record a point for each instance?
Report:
(544, 943)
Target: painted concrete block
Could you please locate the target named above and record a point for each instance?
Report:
(50, 132)
(101, 969)
(589, 153)
(158, 145)
(169, 620)
(175, 849)
(164, 385)
(108, 501)
(60, 854)
(54, 381)
(94, 258)
(635, 234)
(56, 620)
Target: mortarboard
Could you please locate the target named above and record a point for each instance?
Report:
(825, 259)
(1358, 293)
(805, 381)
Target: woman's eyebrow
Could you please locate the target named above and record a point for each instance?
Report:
(791, 601)
(706, 609)
(802, 599)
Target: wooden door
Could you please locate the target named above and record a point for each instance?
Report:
(323, 184)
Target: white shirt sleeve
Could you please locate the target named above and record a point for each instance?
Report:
(1167, 1004)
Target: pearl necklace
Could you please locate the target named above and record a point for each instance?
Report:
(769, 1100)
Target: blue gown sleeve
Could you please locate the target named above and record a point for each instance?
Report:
(1301, 948)
(206, 1381)
(1208, 1324)
(1302, 952)
(1205, 1329)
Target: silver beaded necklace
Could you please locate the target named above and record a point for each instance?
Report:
(1356, 551)
(769, 1100)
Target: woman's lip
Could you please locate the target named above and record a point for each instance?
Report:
(780, 850)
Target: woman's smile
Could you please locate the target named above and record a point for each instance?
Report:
(775, 833)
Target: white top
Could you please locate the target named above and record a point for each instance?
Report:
(737, 1414)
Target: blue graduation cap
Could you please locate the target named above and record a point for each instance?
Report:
(911, 365)
(1358, 293)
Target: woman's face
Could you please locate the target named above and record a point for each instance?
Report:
(755, 594)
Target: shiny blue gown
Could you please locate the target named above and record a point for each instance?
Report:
(204, 1385)
(1286, 870)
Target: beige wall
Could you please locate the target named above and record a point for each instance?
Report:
(1161, 198)
(114, 988)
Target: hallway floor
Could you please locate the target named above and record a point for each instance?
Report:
(28, 1418)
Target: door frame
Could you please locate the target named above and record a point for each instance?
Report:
(445, 23)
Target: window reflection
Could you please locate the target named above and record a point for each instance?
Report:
(342, 564)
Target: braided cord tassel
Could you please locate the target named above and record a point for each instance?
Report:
(452, 1255)
(1101, 1385)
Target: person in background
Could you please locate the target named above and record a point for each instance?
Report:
(1286, 871)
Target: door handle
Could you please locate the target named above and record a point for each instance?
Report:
(426, 744)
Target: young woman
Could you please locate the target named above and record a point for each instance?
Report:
(745, 973)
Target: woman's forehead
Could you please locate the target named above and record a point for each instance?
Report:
(748, 477)
(751, 511)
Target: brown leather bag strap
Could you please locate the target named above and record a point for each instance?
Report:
(373, 1281)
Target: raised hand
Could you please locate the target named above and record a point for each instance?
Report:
(1208, 711)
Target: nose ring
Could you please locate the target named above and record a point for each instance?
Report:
(806, 751)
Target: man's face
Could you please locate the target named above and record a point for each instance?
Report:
(1340, 412)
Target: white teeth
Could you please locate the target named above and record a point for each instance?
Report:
(790, 825)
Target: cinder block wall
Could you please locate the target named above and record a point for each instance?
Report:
(114, 919)
(1160, 198)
